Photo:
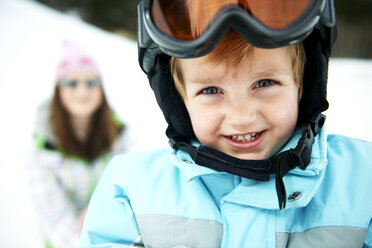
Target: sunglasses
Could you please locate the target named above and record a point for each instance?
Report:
(193, 28)
(91, 83)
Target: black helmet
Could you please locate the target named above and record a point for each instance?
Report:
(316, 28)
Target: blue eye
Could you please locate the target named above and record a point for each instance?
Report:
(264, 83)
(211, 91)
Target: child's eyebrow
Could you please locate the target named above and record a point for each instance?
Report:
(272, 72)
(265, 72)
(208, 80)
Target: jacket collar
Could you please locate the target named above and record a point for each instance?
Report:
(263, 194)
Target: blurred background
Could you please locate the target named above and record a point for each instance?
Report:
(31, 32)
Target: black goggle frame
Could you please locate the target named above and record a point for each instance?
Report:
(254, 31)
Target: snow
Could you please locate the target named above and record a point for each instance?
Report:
(30, 38)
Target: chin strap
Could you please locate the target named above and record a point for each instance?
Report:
(300, 156)
(259, 170)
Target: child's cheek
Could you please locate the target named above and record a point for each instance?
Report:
(283, 118)
(204, 123)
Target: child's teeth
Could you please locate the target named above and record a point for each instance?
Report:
(248, 137)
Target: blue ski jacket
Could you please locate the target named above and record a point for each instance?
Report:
(163, 199)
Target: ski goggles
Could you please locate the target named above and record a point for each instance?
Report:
(192, 28)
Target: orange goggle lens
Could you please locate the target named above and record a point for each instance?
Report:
(188, 19)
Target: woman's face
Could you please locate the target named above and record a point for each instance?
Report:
(81, 93)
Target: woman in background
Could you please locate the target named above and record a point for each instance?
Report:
(76, 134)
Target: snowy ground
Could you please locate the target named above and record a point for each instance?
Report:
(30, 37)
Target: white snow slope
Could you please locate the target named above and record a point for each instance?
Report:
(30, 38)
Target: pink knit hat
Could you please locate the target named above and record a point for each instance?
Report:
(75, 58)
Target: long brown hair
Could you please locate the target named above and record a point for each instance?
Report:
(102, 134)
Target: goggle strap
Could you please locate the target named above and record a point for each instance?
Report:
(147, 57)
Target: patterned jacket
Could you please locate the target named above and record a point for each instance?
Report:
(61, 185)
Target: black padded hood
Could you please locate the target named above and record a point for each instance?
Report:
(317, 45)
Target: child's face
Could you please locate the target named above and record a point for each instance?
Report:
(249, 113)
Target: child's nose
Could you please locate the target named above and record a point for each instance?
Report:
(241, 113)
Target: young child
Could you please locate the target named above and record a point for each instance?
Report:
(250, 163)
(76, 134)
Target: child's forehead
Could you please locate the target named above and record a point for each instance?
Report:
(262, 61)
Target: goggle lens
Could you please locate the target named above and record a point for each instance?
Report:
(188, 19)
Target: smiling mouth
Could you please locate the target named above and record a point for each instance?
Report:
(245, 138)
